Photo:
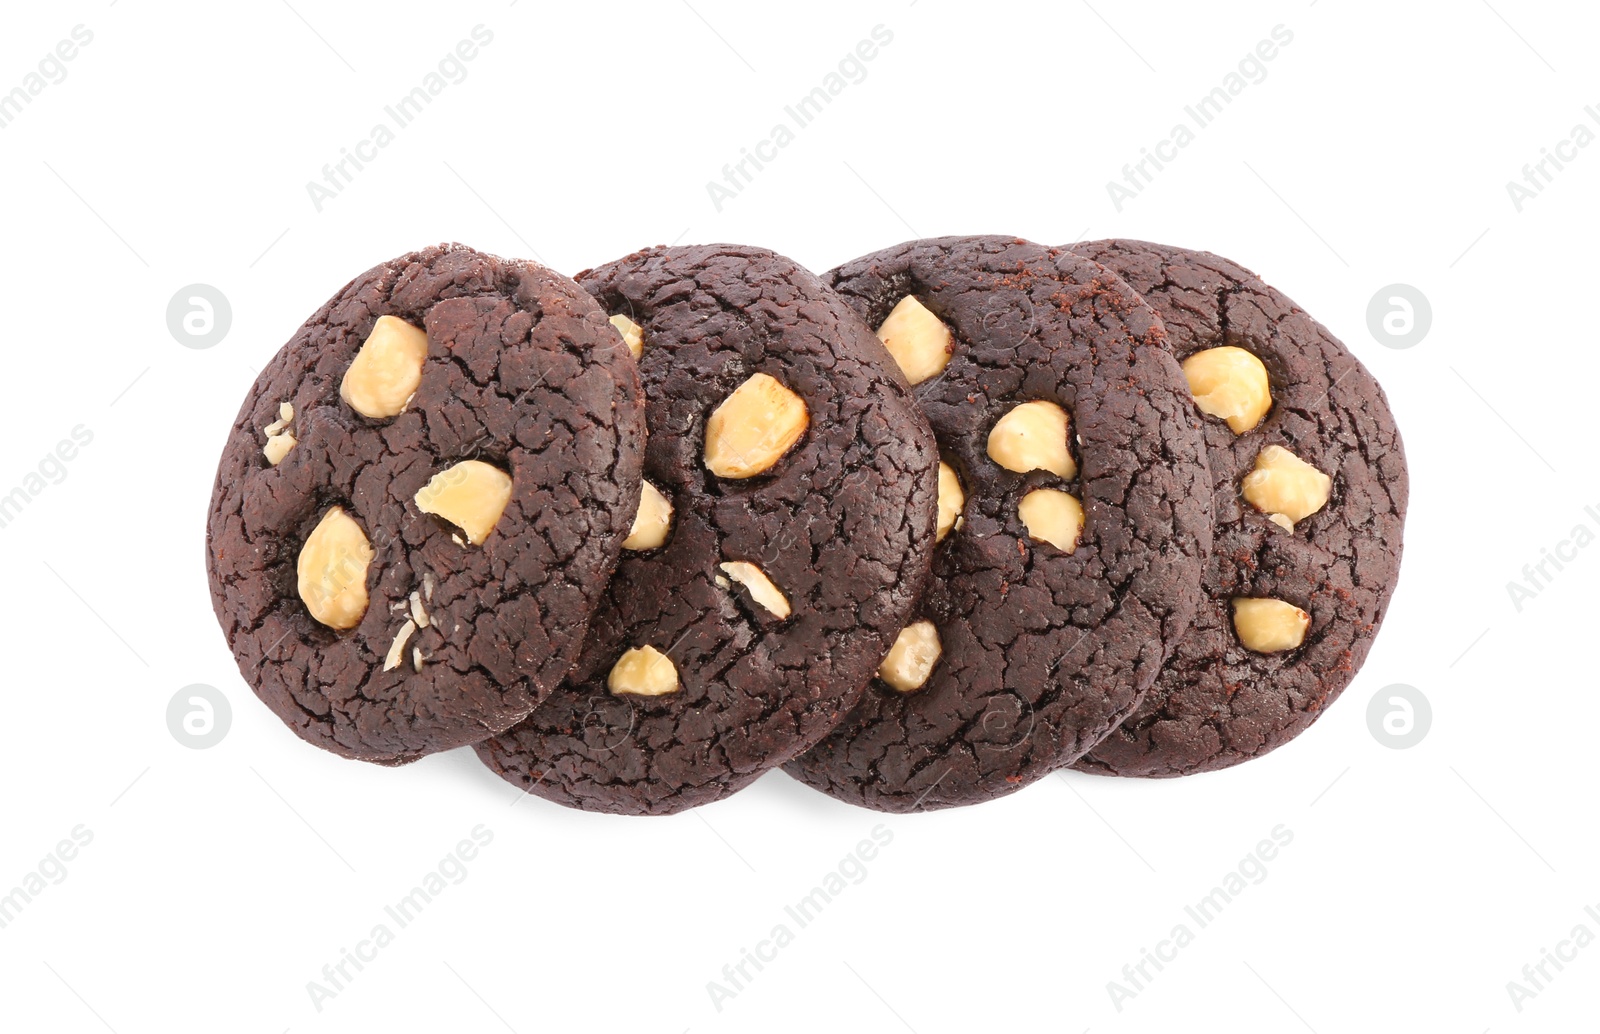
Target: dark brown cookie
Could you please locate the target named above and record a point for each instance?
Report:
(1218, 703)
(1044, 648)
(426, 638)
(839, 521)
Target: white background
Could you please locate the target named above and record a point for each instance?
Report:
(219, 882)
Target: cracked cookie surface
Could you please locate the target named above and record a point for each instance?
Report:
(456, 640)
(839, 523)
(1216, 703)
(1044, 650)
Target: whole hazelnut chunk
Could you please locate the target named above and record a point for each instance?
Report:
(951, 501)
(759, 586)
(471, 495)
(643, 671)
(631, 332)
(386, 372)
(753, 428)
(920, 342)
(653, 520)
(332, 570)
(1033, 436)
(1268, 625)
(911, 659)
(1052, 516)
(1230, 383)
(1283, 484)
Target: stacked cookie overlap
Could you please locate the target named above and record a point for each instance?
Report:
(920, 531)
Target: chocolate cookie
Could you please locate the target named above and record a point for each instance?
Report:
(1075, 521)
(784, 537)
(1309, 504)
(421, 501)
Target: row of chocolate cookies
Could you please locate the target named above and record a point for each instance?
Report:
(1047, 459)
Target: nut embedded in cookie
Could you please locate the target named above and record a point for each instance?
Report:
(471, 495)
(1052, 516)
(753, 428)
(919, 341)
(386, 372)
(911, 659)
(1033, 436)
(643, 671)
(760, 587)
(632, 334)
(653, 521)
(1283, 484)
(279, 438)
(1268, 625)
(332, 570)
(1230, 383)
(951, 501)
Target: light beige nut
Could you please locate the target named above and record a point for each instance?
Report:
(1230, 383)
(1052, 516)
(951, 500)
(753, 428)
(652, 522)
(1281, 521)
(471, 495)
(285, 418)
(920, 342)
(397, 649)
(631, 332)
(416, 659)
(643, 671)
(279, 439)
(1268, 625)
(386, 372)
(1283, 483)
(759, 586)
(427, 586)
(277, 447)
(912, 657)
(332, 570)
(418, 613)
(1033, 436)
